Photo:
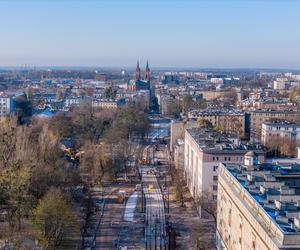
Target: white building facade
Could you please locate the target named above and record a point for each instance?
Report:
(6, 105)
(280, 131)
(203, 152)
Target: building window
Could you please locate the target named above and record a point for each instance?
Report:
(215, 188)
(215, 178)
(215, 168)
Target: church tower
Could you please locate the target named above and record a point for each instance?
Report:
(138, 72)
(147, 73)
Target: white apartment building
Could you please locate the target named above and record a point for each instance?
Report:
(217, 80)
(203, 151)
(272, 131)
(6, 104)
(72, 101)
(279, 84)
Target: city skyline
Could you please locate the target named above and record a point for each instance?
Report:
(189, 34)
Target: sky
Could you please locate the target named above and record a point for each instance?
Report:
(170, 33)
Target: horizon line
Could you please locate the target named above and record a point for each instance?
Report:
(26, 66)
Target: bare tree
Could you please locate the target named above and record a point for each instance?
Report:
(180, 184)
(8, 129)
(205, 202)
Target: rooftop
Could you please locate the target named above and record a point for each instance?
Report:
(282, 123)
(212, 141)
(276, 188)
(274, 111)
(216, 112)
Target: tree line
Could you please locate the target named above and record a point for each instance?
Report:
(43, 178)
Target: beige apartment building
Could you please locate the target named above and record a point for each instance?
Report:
(108, 104)
(258, 206)
(226, 120)
(211, 95)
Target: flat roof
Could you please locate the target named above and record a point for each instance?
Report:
(276, 188)
(212, 141)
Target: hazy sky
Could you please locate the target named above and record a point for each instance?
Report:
(189, 33)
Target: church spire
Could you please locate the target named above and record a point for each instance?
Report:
(147, 73)
(138, 72)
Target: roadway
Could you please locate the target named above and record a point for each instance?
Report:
(108, 233)
(155, 233)
(112, 221)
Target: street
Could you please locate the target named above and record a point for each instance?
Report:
(116, 228)
(155, 234)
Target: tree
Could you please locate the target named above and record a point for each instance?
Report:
(131, 121)
(54, 219)
(87, 124)
(179, 184)
(203, 123)
(96, 163)
(48, 148)
(187, 103)
(175, 110)
(205, 202)
(14, 186)
(61, 125)
(44, 177)
(110, 93)
(294, 94)
(200, 103)
(8, 129)
(23, 108)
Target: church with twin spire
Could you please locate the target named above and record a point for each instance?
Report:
(138, 83)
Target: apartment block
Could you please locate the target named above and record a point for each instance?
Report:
(108, 104)
(226, 120)
(204, 149)
(258, 117)
(258, 206)
(6, 104)
(280, 131)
